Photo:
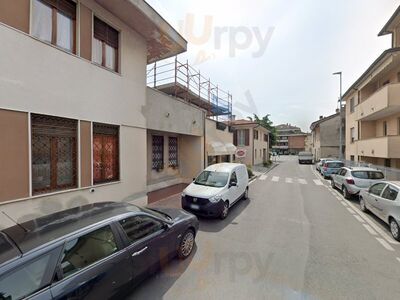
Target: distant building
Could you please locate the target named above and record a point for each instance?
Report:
(253, 139)
(325, 136)
(290, 139)
(308, 143)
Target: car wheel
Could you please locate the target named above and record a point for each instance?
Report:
(333, 184)
(346, 193)
(362, 205)
(186, 245)
(246, 194)
(394, 229)
(225, 210)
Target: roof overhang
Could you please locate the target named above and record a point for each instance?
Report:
(391, 23)
(382, 62)
(163, 41)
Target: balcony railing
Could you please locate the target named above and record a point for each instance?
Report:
(384, 102)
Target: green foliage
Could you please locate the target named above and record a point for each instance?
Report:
(267, 163)
(268, 124)
(250, 172)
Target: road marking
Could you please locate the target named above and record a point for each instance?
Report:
(318, 182)
(351, 211)
(374, 226)
(344, 203)
(263, 177)
(302, 181)
(385, 244)
(289, 180)
(275, 178)
(369, 229)
(398, 259)
(359, 219)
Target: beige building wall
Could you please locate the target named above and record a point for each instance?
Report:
(39, 78)
(171, 117)
(215, 136)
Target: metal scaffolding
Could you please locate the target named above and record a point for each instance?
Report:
(183, 81)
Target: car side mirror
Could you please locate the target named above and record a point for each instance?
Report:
(165, 226)
(233, 183)
(194, 179)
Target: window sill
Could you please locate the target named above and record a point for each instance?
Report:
(33, 197)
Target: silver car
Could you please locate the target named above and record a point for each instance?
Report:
(382, 199)
(352, 180)
(321, 163)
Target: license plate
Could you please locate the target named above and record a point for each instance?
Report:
(194, 206)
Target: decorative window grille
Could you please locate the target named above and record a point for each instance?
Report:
(54, 153)
(158, 152)
(105, 153)
(173, 152)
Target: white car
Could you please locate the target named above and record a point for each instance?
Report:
(216, 189)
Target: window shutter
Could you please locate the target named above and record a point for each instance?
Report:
(235, 137)
(246, 137)
(105, 33)
(66, 7)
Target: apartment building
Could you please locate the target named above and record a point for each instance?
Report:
(73, 89)
(186, 130)
(290, 139)
(373, 106)
(326, 136)
(253, 141)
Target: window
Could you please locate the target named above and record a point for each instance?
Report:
(377, 189)
(265, 137)
(54, 152)
(157, 152)
(390, 193)
(352, 105)
(105, 153)
(243, 137)
(88, 249)
(255, 134)
(352, 134)
(105, 45)
(255, 153)
(28, 278)
(54, 21)
(139, 227)
(352, 157)
(384, 128)
(233, 178)
(173, 152)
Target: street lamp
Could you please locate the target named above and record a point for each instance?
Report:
(340, 115)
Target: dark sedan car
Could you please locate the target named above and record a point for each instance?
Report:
(97, 251)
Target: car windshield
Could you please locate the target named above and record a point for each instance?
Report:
(213, 179)
(368, 174)
(335, 164)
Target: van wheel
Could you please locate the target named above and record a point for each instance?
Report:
(333, 184)
(246, 194)
(225, 210)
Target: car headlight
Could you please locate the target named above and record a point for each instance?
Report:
(216, 198)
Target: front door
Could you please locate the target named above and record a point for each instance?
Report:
(151, 243)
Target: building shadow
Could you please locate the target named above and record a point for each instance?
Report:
(216, 224)
(157, 285)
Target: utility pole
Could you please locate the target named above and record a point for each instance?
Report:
(341, 119)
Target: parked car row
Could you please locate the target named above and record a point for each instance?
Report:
(376, 195)
(103, 250)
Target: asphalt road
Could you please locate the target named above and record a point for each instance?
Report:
(295, 238)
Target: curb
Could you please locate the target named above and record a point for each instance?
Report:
(273, 166)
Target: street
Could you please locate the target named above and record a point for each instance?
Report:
(295, 238)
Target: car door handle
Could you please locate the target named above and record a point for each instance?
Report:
(139, 252)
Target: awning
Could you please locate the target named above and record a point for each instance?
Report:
(220, 148)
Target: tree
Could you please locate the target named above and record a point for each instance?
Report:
(268, 124)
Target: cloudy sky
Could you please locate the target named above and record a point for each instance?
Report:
(277, 57)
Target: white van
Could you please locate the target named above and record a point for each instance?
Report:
(216, 189)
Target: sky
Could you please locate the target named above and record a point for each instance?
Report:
(277, 57)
